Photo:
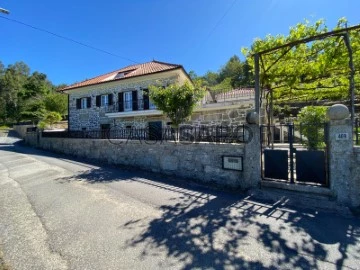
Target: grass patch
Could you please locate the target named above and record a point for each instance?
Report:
(4, 127)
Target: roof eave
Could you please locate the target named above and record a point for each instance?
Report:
(121, 79)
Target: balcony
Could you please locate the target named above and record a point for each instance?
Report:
(132, 108)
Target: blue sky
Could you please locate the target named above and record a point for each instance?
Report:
(193, 33)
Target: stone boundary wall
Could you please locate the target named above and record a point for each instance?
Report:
(200, 161)
(32, 138)
(21, 130)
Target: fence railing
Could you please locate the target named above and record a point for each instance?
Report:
(221, 134)
(222, 96)
(312, 136)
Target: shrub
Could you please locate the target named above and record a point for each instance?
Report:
(176, 101)
(312, 121)
(49, 119)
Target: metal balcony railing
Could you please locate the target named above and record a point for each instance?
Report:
(129, 106)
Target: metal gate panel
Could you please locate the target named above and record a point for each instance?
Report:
(310, 166)
(276, 164)
(155, 130)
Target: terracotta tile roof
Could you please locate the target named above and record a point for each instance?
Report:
(126, 72)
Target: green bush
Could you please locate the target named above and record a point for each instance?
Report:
(49, 119)
(312, 122)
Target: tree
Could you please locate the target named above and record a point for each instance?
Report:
(57, 103)
(27, 96)
(176, 101)
(33, 111)
(36, 86)
(233, 74)
(317, 70)
(193, 75)
(233, 70)
(11, 85)
(223, 86)
(211, 78)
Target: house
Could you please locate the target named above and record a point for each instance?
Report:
(119, 99)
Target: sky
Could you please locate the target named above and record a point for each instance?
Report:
(201, 35)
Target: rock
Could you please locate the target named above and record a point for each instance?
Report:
(252, 118)
(338, 112)
(233, 114)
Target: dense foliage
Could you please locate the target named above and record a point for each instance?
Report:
(26, 96)
(317, 70)
(311, 120)
(49, 119)
(176, 101)
(233, 74)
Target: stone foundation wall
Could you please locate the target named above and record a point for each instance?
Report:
(201, 161)
(225, 117)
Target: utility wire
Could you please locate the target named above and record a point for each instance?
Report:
(214, 28)
(220, 20)
(69, 39)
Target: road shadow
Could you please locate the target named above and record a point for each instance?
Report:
(233, 233)
(209, 229)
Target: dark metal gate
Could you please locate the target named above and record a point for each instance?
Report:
(295, 153)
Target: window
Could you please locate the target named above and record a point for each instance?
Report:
(84, 103)
(146, 100)
(104, 100)
(128, 101)
(120, 75)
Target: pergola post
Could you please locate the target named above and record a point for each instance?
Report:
(257, 85)
(351, 77)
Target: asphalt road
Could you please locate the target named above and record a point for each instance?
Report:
(60, 213)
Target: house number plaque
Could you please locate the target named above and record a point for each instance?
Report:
(342, 136)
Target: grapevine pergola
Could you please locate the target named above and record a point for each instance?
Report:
(342, 33)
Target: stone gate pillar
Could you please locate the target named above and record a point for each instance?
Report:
(340, 146)
(253, 153)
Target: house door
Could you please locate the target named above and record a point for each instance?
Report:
(155, 130)
(128, 101)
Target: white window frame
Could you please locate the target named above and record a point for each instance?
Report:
(104, 100)
(128, 106)
(84, 103)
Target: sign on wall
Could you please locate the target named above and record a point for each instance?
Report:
(233, 163)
